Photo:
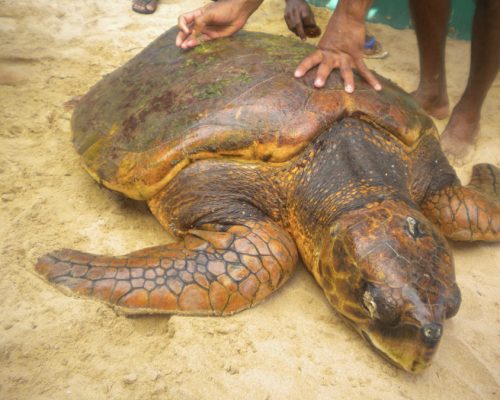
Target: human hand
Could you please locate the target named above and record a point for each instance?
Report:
(214, 20)
(300, 19)
(341, 46)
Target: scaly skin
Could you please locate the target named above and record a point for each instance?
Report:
(468, 213)
(391, 257)
(207, 273)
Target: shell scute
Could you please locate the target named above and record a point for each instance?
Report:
(233, 97)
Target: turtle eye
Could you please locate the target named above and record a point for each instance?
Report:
(414, 228)
(370, 305)
(380, 307)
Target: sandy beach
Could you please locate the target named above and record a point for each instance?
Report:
(293, 346)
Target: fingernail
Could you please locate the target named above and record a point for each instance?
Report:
(349, 89)
(378, 87)
(297, 74)
(318, 82)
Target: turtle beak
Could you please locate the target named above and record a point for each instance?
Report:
(410, 341)
(407, 346)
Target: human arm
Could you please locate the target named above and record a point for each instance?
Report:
(214, 20)
(341, 46)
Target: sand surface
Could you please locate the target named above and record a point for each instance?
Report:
(291, 347)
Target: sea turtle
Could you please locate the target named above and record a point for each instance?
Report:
(251, 168)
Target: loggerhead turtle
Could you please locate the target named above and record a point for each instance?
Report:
(250, 168)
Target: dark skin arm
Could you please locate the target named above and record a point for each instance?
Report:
(300, 19)
(213, 21)
(341, 46)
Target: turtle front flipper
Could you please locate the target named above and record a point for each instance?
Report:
(469, 212)
(210, 272)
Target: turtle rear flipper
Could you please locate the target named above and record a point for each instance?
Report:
(207, 273)
(471, 212)
(486, 179)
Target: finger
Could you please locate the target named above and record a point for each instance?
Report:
(198, 28)
(288, 24)
(307, 63)
(308, 18)
(300, 31)
(181, 36)
(347, 76)
(291, 26)
(368, 75)
(292, 22)
(190, 41)
(289, 21)
(298, 27)
(193, 41)
(312, 31)
(184, 21)
(309, 23)
(324, 70)
(204, 18)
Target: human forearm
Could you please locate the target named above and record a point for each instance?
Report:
(355, 9)
(249, 6)
(348, 16)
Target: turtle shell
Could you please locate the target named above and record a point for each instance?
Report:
(234, 97)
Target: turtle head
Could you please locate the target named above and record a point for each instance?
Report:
(390, 273)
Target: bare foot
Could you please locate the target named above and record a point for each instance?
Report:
(460, 135)
(436, 105)
(144, 6)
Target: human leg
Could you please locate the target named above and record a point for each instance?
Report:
(431, 18)
(463, 127)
